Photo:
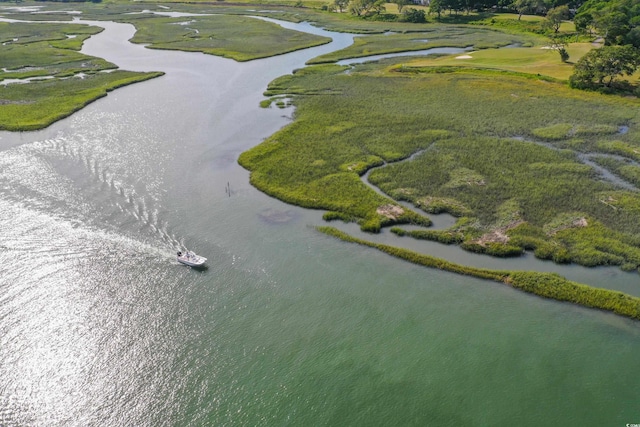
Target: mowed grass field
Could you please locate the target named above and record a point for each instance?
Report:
(532, 60)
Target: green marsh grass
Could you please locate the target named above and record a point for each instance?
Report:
(621, 167)
(38, 104)
(468, 128)
(44, 49)
(237, 37)
(32, 50)
(430, 36)
(547, 285)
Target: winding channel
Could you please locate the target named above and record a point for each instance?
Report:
(100, 326)
(137, 58)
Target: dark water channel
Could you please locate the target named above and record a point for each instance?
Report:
(99, 325)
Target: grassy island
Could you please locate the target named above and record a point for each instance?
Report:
(44, 78)
(236, 37)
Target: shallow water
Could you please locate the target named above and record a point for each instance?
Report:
(101, 326)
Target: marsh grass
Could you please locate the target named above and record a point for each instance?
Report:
(44, 49)
(463, 124)
(547, 285)
(38, 104)
(32, 50)
(621, 167)
(237, 37)
(430, 36)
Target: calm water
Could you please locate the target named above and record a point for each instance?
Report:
(100, 326)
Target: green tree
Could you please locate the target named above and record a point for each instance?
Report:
(401, 4)
(618, 21)
(600, 67)
(341, 5)
(360, 7)
(584, 22)
(436, 6)
(612, 24)
(414, 15)
(378, 6)
(558, 44)
(526, 6)
(555, 17)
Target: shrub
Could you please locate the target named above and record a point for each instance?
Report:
(414, 15)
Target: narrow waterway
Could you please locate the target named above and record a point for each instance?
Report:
(99, 325)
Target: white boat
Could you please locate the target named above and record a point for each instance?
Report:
(191, 259)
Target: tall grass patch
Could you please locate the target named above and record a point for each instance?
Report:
(38, 104)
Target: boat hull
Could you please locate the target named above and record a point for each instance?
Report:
(191, 259)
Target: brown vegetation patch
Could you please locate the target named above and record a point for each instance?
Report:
(390, 211)
(578, 222)
(498, 235)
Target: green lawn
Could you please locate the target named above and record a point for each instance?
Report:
(532, 60)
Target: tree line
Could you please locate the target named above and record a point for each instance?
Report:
(618, 23)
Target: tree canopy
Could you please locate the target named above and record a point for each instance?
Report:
(600, 67)
(616, 20)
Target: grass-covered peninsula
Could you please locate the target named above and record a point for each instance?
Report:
(238, 37)
(547, 285)
(426, 36)
(502, 151)
(44, 78)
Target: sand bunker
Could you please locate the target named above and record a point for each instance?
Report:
(464, 57)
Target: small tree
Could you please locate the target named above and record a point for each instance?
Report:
(584, 22)
(414, 15)
(341, 5)
(608, 62)
(378, 6)
(436, 6)
(360, 7)
(524, 6)
(401, 4)
(559, 45)
(555, 17)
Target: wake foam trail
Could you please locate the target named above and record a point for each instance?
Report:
(64, 178)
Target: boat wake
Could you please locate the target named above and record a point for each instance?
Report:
(81, 184)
